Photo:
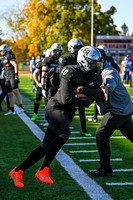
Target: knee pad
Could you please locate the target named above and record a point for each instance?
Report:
(64, 137)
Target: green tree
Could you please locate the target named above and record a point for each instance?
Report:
(125, 29)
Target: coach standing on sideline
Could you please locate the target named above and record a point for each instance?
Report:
(117, 109)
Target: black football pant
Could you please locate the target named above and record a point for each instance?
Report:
(109, 124)
(82, 118)
(4, 93)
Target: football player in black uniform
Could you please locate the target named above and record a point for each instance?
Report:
(71, 59)
(37, 75)
(104, 51)
(50, 72)
(12, 79)
(3, 88)
(60, 111)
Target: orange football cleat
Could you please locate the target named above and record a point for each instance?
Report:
(17, 177)
(43, 175)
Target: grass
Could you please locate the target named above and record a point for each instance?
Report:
(17, 141)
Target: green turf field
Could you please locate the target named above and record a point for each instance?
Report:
(17, 141)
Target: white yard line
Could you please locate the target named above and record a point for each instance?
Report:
(119, 184)
(98, 160)
(84, 151)
(94, 190)
(75, 138)
(74, 144)
(122, 170)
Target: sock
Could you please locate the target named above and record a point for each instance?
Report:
(12, 109)
(36, 107)
(35, 156)
(53, 149)
(20, 105)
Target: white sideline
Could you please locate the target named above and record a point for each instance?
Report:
(95, 191)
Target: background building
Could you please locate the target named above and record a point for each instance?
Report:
(118, 46)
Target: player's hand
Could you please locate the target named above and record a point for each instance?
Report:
(40, 85)
(17, 80)
(78, 90)
(44, 93)
(105, 90)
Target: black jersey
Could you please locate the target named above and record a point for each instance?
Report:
(71, 78)
(52, 80)
(39, 66)
(67, 59)
(111, 62)
(9, 68)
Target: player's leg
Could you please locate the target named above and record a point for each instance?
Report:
(59, 126)
(83, 122)
(127, 128)
(37, 103)
(108, 125)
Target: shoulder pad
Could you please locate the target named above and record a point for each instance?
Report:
(63, 60)
(71, 73)
(10, 56)
(46, 61)
(39, 65)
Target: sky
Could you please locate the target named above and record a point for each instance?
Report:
(123, 15)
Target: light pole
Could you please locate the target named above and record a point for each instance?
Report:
(92, 24)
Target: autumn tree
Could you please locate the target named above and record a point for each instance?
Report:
(42, 22)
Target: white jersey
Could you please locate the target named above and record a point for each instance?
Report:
(127, 64)
(33, 64)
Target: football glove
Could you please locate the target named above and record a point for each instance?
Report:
(44, 93)
(40, 85)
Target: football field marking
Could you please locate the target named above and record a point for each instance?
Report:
(75, 138)
(119, 184)
(98, 160)
(94, 190)
(73, 144)
(84, 151)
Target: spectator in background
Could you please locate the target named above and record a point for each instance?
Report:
(12, 80)
(126, 72)
(32, 69)
(3, 87)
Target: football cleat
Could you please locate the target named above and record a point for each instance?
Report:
(43, 175)
(17, 177)
(10, 113)
(102, 173)
(86, 134)
(34, 117)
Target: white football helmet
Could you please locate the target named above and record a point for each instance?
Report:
(46, 53)
(89, 59)
(5, 48)
(103, 48)
(56, 50)
(74, 45)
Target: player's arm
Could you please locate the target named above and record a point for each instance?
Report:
(36, 75)
(94, 94)
(68, 95)
(44, 76)
(15, 65)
